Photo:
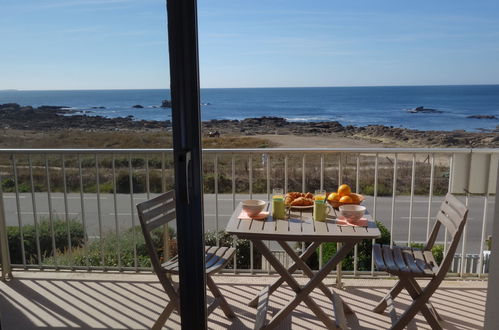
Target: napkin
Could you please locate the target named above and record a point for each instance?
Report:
(261, 216)
(342, 221)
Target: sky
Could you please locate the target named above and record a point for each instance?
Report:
(121, 44)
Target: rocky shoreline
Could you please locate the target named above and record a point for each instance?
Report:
(45, 118)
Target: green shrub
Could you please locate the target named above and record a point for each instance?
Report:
(364, 251)
(105, 252)
(383, 190)
(45, 237)
(437, 251)
(123, 183)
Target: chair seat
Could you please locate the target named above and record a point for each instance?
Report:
(404, 261)
(216, 257)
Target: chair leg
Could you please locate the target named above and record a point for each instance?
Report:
(160, 322)
(392, 294)
(419, 290)
(218, 295)
(418, 304)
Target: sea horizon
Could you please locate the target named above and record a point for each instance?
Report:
(259, 87)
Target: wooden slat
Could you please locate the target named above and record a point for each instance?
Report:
(157, 200)
(282, 227)
(421, 262)
(452, 214)
(399, 260)
(244, 225)
(339, 313)
(430, 261)
(307, 226)
(347, 230)
(158, 209)
(222, 261)
(457, 205)
(410, 262)
(269, 225)
(257, 225)
(295, 226)
(449, 224)
(161, 221)
(261, 313)
(213, 255)
(233, 223)
(391, 266)
(320, 228)
(378, 258)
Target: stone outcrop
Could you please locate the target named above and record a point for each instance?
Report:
(424, 110)
(482, 117)
(45, 118)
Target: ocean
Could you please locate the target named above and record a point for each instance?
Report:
(358, 106)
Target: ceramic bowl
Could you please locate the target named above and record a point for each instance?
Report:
(352, 212)
(253, 207)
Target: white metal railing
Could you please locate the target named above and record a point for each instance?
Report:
(98, 189)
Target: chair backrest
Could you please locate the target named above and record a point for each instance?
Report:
(154, 213)
(452, 214)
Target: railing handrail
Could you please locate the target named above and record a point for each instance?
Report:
(252, 150)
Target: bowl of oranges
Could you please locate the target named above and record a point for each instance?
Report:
(344, 196)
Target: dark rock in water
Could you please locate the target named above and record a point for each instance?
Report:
(138, 106)
(166, 104)
(424, 110)
(97, 107)
(52, 107)
(482, 117)
(9, 106)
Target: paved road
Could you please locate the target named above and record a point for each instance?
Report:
(124, 218)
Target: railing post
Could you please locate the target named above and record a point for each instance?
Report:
(4, 245)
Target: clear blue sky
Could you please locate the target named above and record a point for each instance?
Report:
(107, 44)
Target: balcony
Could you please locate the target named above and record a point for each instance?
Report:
(75, 212)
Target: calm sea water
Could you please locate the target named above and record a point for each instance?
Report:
(348, 105)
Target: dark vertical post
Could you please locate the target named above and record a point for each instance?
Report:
(184, 84)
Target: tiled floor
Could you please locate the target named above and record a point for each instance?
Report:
(117, 301)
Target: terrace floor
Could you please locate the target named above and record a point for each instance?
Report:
(66, 300)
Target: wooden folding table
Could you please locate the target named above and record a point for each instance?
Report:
(300, 227)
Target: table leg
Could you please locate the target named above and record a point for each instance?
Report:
(301, 295)
(306, 269)
(294, 267)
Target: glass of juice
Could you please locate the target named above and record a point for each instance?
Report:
(278, 208)
(320, 196)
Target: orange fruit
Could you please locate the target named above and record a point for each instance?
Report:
(346, 199)
(355, 198)
(344, 190)
(335, 197)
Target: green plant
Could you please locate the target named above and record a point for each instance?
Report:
(45, 239)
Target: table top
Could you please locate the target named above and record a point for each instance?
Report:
(300, 226)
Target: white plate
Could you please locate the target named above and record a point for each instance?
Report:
(301, 207)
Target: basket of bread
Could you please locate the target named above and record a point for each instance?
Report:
(344, 196)
(299, 200)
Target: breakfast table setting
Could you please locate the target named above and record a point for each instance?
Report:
(303, 217)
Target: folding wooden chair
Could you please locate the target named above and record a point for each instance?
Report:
(411, 263)
(157, 212)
